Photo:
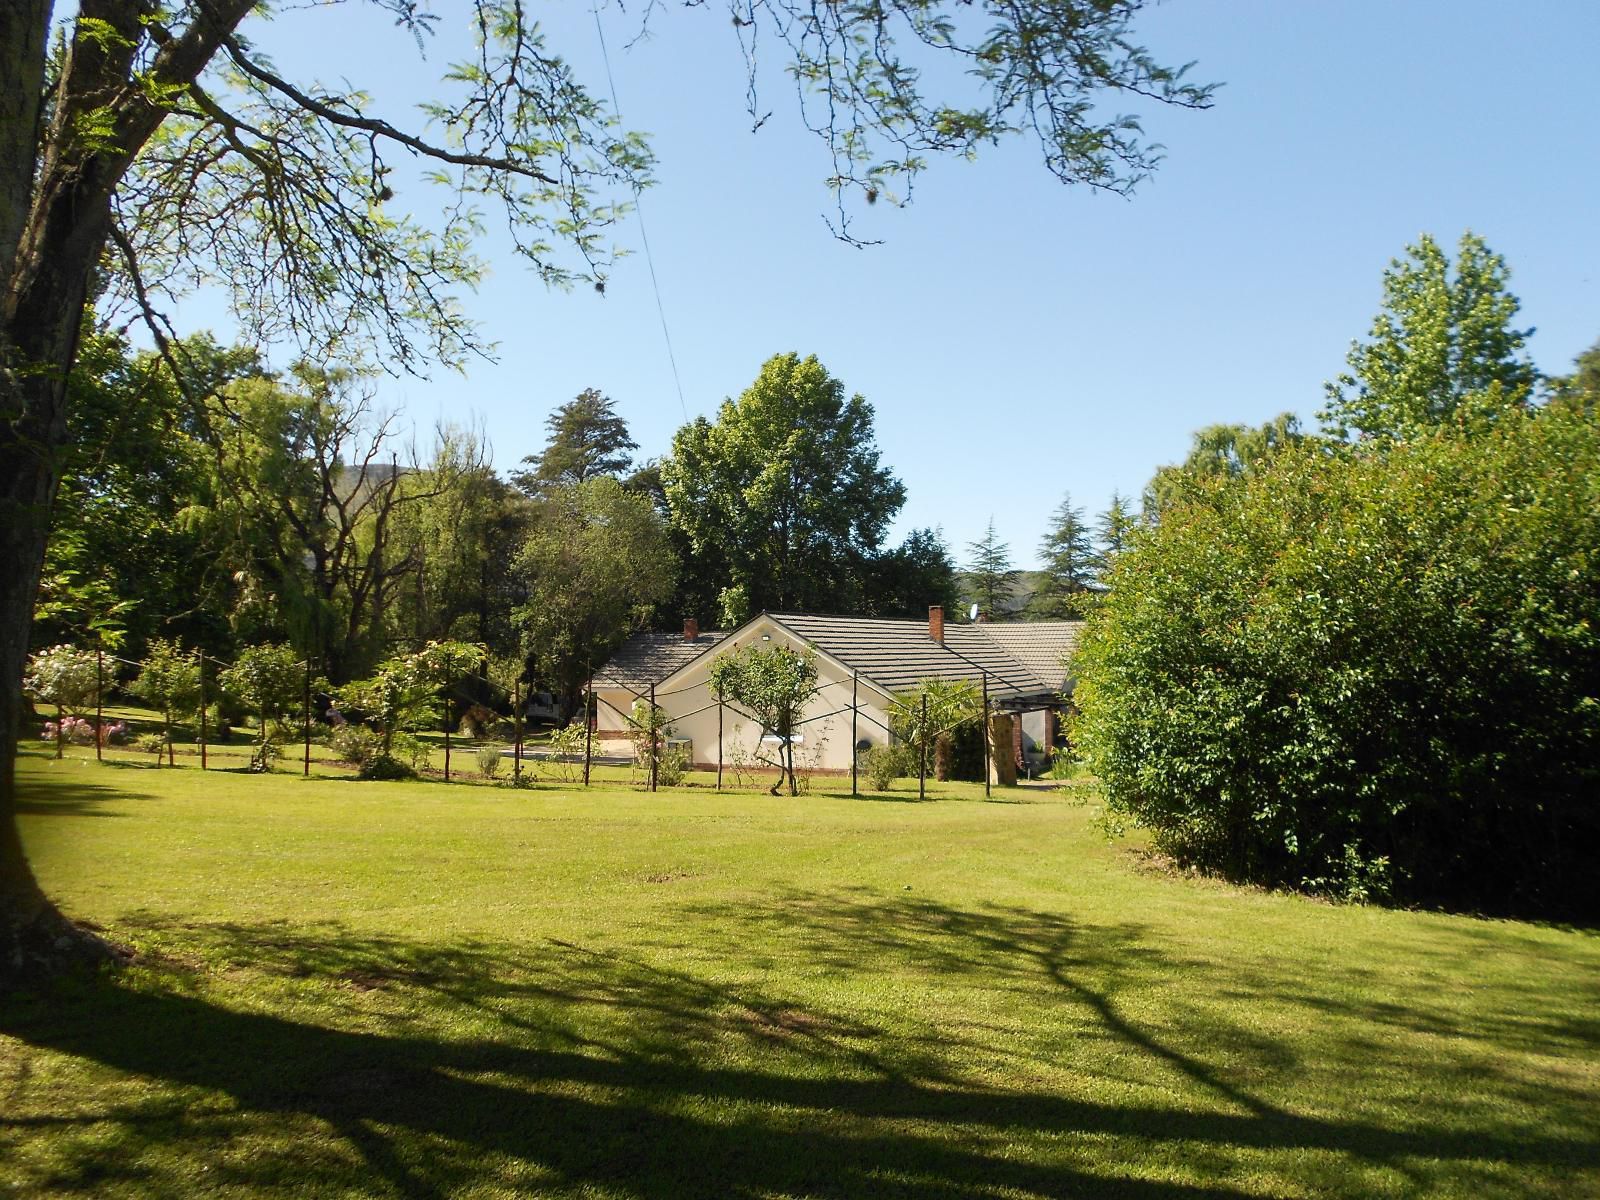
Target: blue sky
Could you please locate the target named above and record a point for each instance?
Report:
(1017, 338)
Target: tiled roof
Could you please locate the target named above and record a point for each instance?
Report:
(647, 657)
(898, 654)
(1041, 646)
(1020, 659)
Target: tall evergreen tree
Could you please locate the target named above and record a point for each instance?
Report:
(587, 439)
(1069, 564)
(990, 576)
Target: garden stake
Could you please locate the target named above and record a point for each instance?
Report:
(306, 722)
(516, 721)
(447, 739)
(652, 735)
(986, 736)
(99, 697)
(203, 730)
(719, 743)
(922, 752)
(58, 733)
(854, 678)
(588, 728)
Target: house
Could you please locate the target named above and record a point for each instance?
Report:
(862, 663)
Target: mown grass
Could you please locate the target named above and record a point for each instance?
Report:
(353, 989)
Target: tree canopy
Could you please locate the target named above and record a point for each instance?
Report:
(1442, 345)
(990, 577)
(587, 439)
(786, 487)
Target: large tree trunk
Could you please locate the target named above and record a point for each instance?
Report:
(55, 215)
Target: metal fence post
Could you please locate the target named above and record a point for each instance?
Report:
(516, 718)
(922, 754)
(854, 679)
(204, 728)
(987, 734)
(652, 735)
(99, 697)
(305, 719)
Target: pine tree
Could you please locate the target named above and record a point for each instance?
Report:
(990, 576)
(1069, 563)
(587, 439)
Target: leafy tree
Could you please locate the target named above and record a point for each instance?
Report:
(587, 439)
(1114, 530)
(406, 690)
(160, 135)
(919, 572)
(1069, 564)
(64, 676)
(990, 578)
(1442, 345)
(773, 684)
(1370, 674)
(786, 484)
(269, 680)
(309, 491)
(169, 679)
(594, 564)
(1222, 452)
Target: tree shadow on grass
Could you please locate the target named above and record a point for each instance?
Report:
(579, 1070)
(67, 796)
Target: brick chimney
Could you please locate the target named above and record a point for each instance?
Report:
(691, 629)
(936, 622)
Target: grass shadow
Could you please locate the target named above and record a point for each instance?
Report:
(604, 1072)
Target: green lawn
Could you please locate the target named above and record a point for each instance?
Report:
(352, 989)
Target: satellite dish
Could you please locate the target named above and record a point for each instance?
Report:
(972, 613)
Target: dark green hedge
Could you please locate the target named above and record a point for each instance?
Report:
(1369, 674)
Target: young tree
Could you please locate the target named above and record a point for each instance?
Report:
(786, 483)
(587, 439)
(67, 677)
(926, 717)
(160, 134)
(269, 680)
(408, 689)
(773, 684)
(169, 679)
(595, 563)
(1442, 345)
(1069, 563)
(990, 578)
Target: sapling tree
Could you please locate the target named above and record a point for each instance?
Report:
(169, 679)
(406, 690)
(67, 677)
(268, 680)
(773, 684)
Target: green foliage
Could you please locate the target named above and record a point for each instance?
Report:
(168, 679)
(269, 680)
(489, 761)
(1069, 559)
(882, 765)
(385, 768)
(354, 744)
(151, 743)
(990, 577)
(950, 704)
(407, 689)
(1441, 349)
(671, 765)
(1369, 674)
(773, 684)
(1216, 452)
(785, 489)
(1115, 529)
(566, 749)
(409, 749)
(587, 439)
(905, 581)
(64, 676)
(595, 563)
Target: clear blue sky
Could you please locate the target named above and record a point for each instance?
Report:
(1019, 339)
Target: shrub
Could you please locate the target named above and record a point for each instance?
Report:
(354, 744)
(1369, 674)
(411, 750)
(151, 743)
(489, 761)
(566, 745)
(385, 767)
(883, 765)
(671, 764)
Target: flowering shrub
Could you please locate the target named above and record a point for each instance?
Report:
(64, 676)
(80, 732)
